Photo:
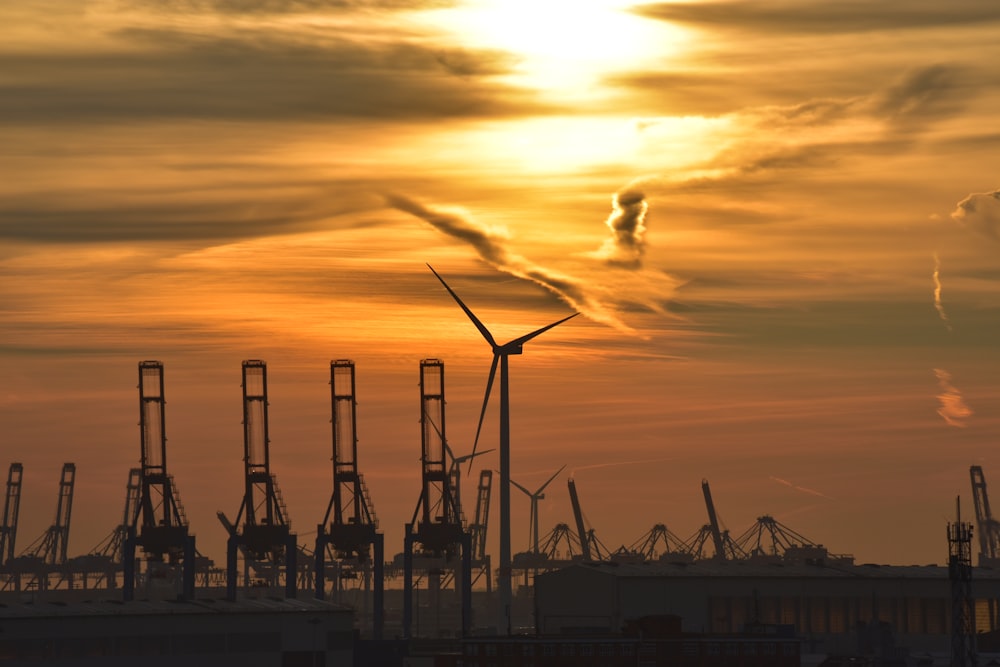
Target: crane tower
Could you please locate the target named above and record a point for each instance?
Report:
(160, 526)
(266, 531)
(350, 528)
(436, 523)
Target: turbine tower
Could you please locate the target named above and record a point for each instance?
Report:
(500, 355)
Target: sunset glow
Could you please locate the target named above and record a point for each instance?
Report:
(779, 222)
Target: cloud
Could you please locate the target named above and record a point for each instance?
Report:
(597, 301)
(980, 212)
(627, 224)
(784, 16)
(257, 72)
(953, 409)
(937, 292)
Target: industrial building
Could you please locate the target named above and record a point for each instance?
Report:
(211, 633)
(836, 608)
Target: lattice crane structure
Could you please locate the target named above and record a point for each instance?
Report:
(11, 510)
(349, 535)
(160, 527)
(591, 547)
(437, 523)
(265, 532)
(988, 527)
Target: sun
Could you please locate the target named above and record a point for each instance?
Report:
(560, 44)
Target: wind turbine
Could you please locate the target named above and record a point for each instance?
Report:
(500, 355)
(535, 497)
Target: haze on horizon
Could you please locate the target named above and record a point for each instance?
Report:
(779, 220)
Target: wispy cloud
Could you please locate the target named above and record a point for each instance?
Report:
(937, 292)
(953, 409)
(980, 212)
(598, 301)
(594, 466)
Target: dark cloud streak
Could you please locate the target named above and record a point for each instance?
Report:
(791, 16)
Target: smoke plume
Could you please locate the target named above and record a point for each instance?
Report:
(627, 224)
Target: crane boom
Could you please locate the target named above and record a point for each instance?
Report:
(581, 529)
(989, 528)
(713, 521)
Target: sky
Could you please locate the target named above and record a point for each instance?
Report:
(779, 221)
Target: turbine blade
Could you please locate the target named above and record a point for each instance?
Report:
(542, 487)
(482, 413)
(520, 487)
(475, 320)
(526, 337)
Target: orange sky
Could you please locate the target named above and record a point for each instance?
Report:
(778, 219)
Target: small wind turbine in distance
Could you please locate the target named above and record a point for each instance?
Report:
(500, 354)
(535, 497)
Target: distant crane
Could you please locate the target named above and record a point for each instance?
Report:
(48, 553)
(589, 544)
(989, 528)
(659, 543)
(11, 509)
(106, 559)
(266, 531)
(479, 527)
(725, 548)
(349, 526)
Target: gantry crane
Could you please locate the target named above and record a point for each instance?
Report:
(104, 561)
(479, 528)
(349, 531)
(988, 527)
(11, 509)
(160, 526)
(265, 532)
(437, 523)
(47, 554)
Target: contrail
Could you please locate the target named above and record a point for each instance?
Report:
(953, 409)
(596, 302)
(618, 463)
(812, 492)
(937, 292)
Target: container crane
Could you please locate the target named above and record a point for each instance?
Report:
(160, 526)
(436, 523)
(47, 554)
(659, 543)
(479, 527)
(988, 527)
(11, 509)
(266, 530)
(350, 528)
